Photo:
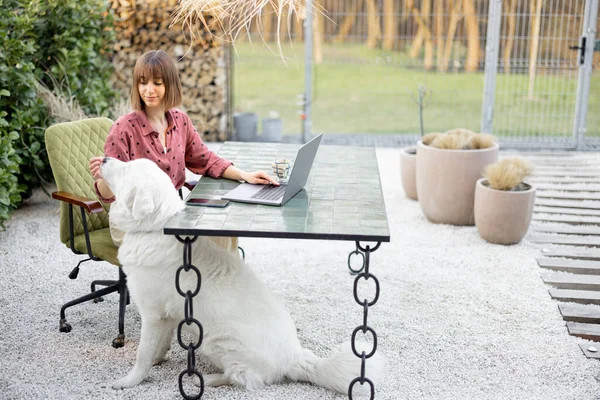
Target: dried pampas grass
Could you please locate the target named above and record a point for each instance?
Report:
(482, 141)
(460, 132)
(120, 107)
(460, 139)
(430, 137)
(227, 19)
(507, 174)
(61, 107)
(450, 142)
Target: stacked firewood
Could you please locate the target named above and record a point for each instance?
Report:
(142, 25)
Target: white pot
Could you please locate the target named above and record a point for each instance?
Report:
(503, 216)
(272, 129)
(446, 182)
(408, 171)
(244, 125)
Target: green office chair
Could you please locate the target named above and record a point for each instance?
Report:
(70, 146)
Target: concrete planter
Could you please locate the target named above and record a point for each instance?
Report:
(244, 125)
(408, 171)
(503, 216)
(446, 182)
(272, 129)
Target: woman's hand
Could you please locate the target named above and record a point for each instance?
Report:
(94, 164)
(259, 177)
(255, 177)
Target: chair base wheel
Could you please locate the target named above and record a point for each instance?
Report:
(99, 299)
(119, 341)
(63, 326)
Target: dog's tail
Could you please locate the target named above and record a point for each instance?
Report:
(338, 371)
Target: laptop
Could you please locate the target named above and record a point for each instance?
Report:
(278, 195)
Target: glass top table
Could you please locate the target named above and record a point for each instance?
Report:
(342, 199)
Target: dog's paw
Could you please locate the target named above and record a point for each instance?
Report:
(125, 383)
(158, 361)
(196, 381)
(212, 380)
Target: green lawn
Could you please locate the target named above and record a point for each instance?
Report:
(357, 90)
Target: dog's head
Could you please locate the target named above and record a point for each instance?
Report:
(145, 195)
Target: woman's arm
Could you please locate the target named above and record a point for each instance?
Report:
(256, 177)
(200, 160)
(102, 188)
(117, 146)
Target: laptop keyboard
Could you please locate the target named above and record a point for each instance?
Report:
(270, 192)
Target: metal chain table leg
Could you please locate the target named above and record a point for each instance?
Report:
(367, 276)
(356, 271)
(189, 317)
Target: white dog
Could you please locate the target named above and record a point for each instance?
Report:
(248, 333)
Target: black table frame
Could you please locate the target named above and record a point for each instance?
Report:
(187, 236)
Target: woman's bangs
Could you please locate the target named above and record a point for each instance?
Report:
(150, 70)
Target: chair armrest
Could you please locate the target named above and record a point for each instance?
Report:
(190, 185)
(91, 206)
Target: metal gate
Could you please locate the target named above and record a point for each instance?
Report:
(542, 81)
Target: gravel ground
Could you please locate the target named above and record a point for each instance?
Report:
(458, 318)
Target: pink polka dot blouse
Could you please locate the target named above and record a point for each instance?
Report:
(132, 137)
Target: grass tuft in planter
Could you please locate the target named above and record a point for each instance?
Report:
(508, 174)
(504, 202)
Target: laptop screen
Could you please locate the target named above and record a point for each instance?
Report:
(301, 168)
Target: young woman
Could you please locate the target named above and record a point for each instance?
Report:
(158, 131)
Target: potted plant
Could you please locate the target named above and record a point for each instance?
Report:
(272, 128)
(503, 202)
(244, 126)
(448, 167)
(408, 167)
(408, 155)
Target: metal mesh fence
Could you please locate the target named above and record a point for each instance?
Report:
(536, 90)
(372, 56)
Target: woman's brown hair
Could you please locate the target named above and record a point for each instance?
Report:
(152, 65)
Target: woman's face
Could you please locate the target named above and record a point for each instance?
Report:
(152, 91)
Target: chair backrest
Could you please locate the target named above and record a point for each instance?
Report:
(70, 145)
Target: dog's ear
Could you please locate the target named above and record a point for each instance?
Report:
(142, 204)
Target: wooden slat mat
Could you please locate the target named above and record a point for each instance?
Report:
(566, 210)
(567, 221)
(575, 296)
(569, 173)
(569, 265)
(585, 204)
(557, 194)
(584, 166)
(579, 253)
(591, 350)
(562, 179)
(588, 230)
(585, 313)
(563, 280)
(573, 240)
(583, 330)
(569, 187)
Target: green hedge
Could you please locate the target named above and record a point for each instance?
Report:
(57, 42)
(74, 38)
(21, 113)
